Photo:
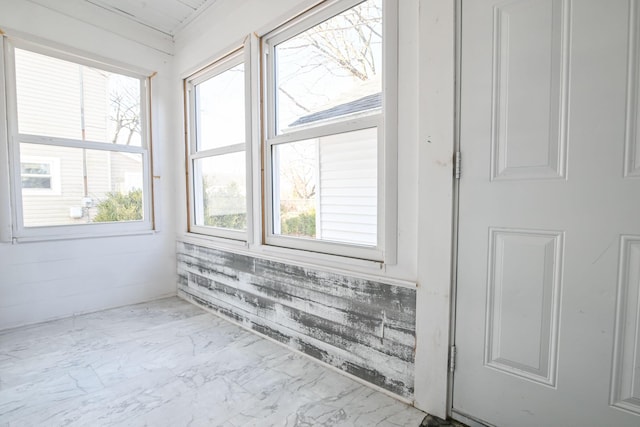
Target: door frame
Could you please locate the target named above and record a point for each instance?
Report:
(437, 203)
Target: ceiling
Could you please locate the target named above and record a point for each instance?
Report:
(166, 16)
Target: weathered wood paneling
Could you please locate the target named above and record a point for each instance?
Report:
(363, 327)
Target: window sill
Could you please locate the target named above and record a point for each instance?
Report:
(80, 236)
(372, 270)
(213, 242)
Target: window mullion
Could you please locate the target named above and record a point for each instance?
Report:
(73, 143)
(329, 129)
(228, 149)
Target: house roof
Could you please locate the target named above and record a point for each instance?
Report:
(369, 102)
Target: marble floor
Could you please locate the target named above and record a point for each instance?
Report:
(169, 363)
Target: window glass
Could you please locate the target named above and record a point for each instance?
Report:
(62, 99)
(94, 186)
(220, 110)
(327, 188)
(220, 191)
(36, 175)
(331, 70)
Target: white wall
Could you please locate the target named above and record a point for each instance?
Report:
(46, 280)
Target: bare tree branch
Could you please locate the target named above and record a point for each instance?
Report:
(288, 95)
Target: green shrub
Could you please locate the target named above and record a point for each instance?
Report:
(120, 207)
(232, 221)
(301, 225)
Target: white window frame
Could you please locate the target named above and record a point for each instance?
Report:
(385, 121)
(54, 175)
(53, 232)
(240, 53)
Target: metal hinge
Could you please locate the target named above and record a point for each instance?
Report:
(452, 358)
(457, 170)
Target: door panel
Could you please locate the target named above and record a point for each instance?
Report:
(525, 267)
(530, 52)
(547, 331)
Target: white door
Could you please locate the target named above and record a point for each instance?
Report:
(548, 297)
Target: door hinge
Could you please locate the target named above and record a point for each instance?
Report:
(452, 358)
(457, 170)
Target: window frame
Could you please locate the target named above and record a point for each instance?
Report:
(385, 120)
(20, 232)
(238, 54)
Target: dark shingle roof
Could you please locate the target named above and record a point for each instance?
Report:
(368, 102)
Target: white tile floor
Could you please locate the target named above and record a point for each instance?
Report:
(169, 363)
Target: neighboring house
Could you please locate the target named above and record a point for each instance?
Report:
(53, 186)
(346, 171)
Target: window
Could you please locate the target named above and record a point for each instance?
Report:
(36, 175)
(219, 125)
(326, 150)
(79, 145)
(40, 175)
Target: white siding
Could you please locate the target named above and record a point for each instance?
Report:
(348, 187)
(96, 104)
(126, 171)
(40, 95)
(98, 173)
(54, 95)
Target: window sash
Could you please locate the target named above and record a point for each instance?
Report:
(236, 56)
(374, 253)
(289, 30)
(382, 119)
(142, 75)
(47, 232)
(196, 185)
(55, 231)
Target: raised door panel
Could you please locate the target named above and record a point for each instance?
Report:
(632, 152)
(625, 392)
(525, 269)
(530, 89)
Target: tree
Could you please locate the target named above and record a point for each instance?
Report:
(299, 173)
(120, 207)
(124, 100)
(347, 40)
(345, 46)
